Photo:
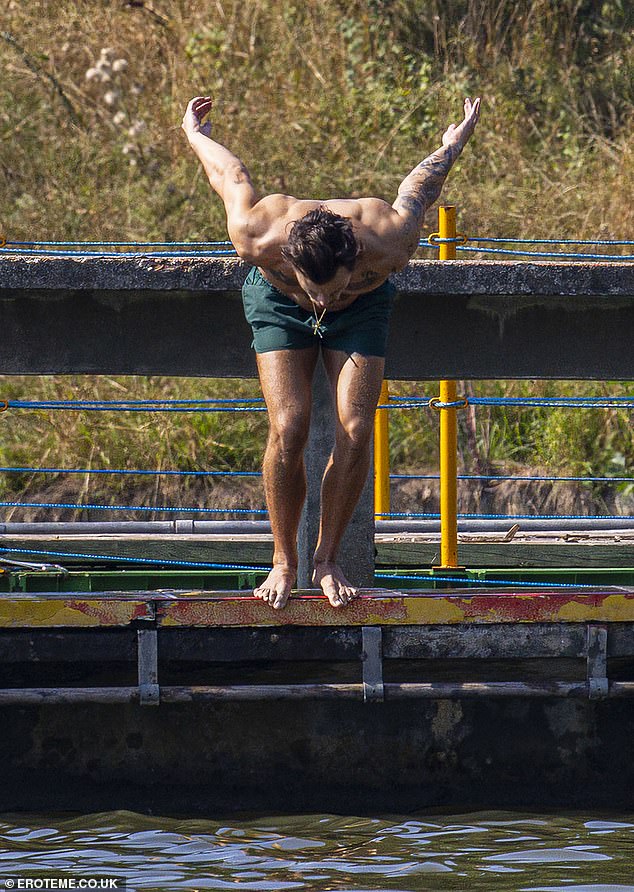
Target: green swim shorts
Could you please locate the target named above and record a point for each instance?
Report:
(278, 323)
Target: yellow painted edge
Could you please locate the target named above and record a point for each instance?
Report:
(409, 610)
(73, 612)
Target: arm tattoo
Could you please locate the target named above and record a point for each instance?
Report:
(241, 175)
(421, 188)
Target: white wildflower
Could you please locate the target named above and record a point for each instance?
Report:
(110, 98)
(104, 70)
(119, 65)
(128, 148)
(136, 89)
(91, 74)
(119, 118)
(107, 52)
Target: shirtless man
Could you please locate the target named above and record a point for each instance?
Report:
(319, 279)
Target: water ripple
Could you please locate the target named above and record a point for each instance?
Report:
(534, 853)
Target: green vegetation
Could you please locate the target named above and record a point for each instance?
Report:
(318, 98)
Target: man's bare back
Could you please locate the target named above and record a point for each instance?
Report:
(386, 242)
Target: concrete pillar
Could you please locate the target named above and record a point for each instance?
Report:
(357, 549)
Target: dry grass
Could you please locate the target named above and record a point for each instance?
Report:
(319, 98)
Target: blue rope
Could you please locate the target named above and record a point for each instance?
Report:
(120, 244)
(511, 477)
(564, 255)
(558, 401)
(91, 507)
(517, 241)
(257, 569)
(134, 403)
(235, 405)
(123, 471)
(469, 581)
(135, 560)
(548, 241)
(434, 516)
(139, 406)
(581, 402)
(129, 254)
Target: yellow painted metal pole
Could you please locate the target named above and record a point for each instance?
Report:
(381, 456)
(448, 426)
(448, 478)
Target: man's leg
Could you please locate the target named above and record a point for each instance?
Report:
(356, 384)
(286, 378)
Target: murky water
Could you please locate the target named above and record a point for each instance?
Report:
(499, 851)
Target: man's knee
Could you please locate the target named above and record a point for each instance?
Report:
(289, 430)
(355, 433)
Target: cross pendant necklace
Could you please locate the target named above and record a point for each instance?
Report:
(316, 322)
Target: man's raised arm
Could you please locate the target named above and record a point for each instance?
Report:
(227, 175)
(420, 189)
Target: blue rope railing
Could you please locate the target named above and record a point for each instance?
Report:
(248, 404)
(213, 405)
(224, 248)
(89, 506)
(129, 472)
(467, 516)
(538, 585)
(122, 244)
(546, 254)
(517, 477)
(238, 405)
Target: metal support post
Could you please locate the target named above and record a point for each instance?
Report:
(372, 657)
(382, 456)
(597, 662)
(147, 655)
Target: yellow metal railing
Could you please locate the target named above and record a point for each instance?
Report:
(448, 424)
(382, 456)
(448, 431)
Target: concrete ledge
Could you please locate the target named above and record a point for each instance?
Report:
(456, 319)
(227, 274)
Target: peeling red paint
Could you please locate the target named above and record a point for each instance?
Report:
(112, 612)
(237, 609)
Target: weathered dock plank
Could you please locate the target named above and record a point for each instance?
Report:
(196, 609)
(527, 550)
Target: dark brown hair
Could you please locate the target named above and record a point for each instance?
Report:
(319, 243)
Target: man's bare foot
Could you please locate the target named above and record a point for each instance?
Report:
(334, 584)
(277, 586)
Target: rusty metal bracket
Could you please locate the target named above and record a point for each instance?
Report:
(372, 659)
(147, 655)
(597, 661)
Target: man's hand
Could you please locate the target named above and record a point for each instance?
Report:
(458, 134)
(196, 111)
(422, 187)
